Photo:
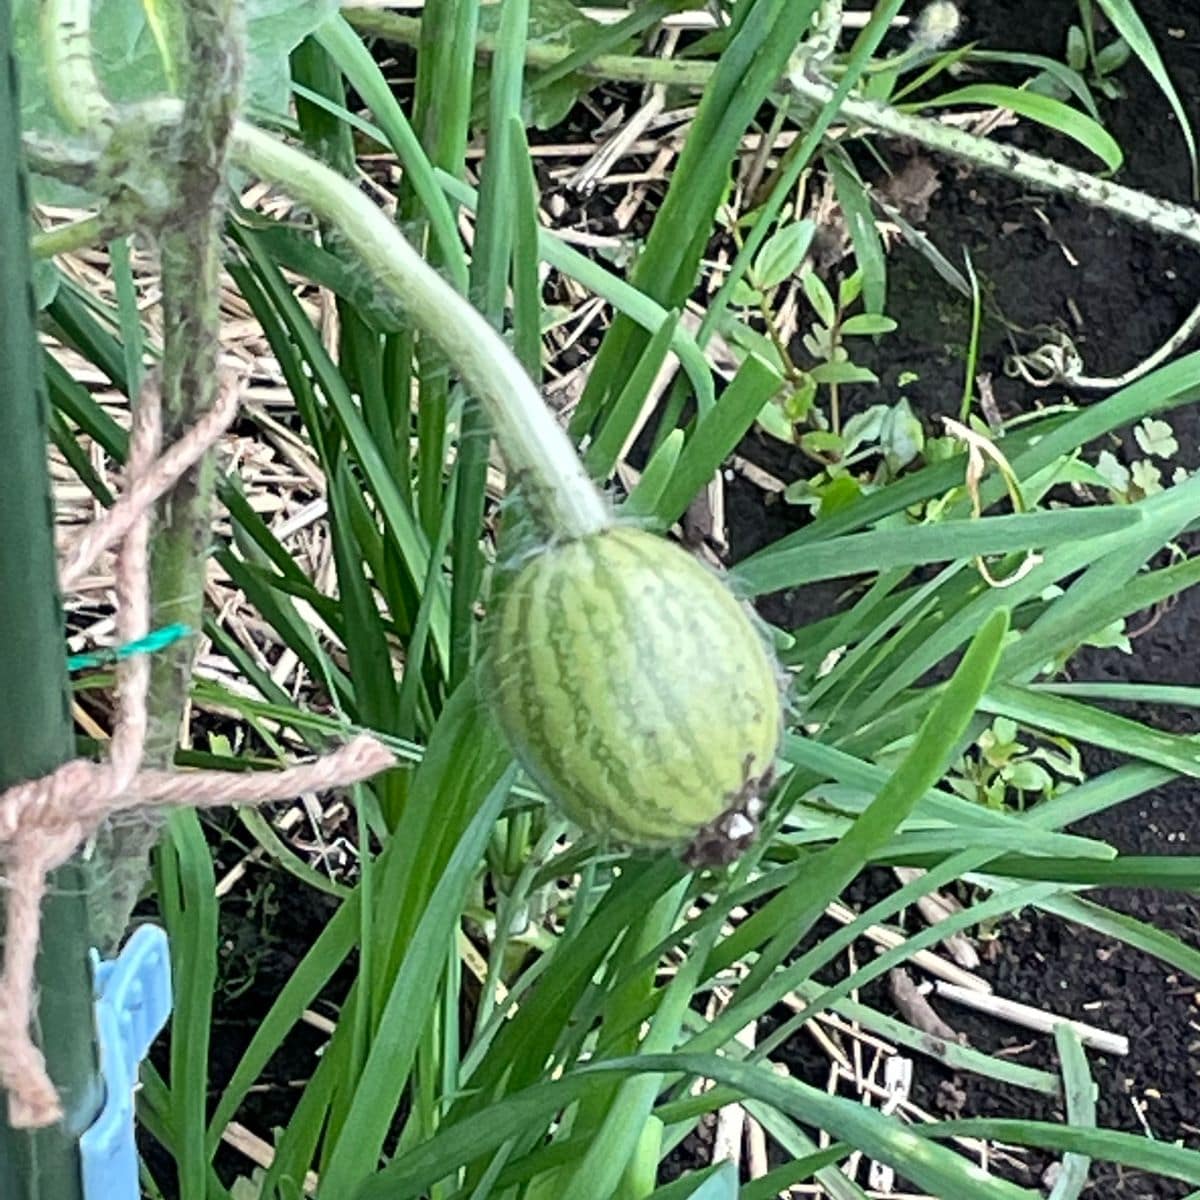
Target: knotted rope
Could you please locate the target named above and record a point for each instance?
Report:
(43, 822)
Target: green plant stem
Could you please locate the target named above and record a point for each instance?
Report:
(821, 45)
(1175, 220)
(66, 32)
(964, 407)
(1059, 362)
(781, 347)
(88, 231)
(67, 162)
(35, 724)
(190, 264)
(537, 450)
(629, 68)
(189, 245)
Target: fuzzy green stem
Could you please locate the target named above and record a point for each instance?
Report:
(190, 256)
(821, 44)
(73, 163)
(1176, 220)
(190, 265)
(66, 37)
(89, 231)
(538, 452)
(625, 67)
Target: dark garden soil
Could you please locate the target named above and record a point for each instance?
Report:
(1121, 293)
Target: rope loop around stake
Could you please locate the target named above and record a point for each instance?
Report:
(43, 822)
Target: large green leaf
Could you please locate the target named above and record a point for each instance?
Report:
(130, 38)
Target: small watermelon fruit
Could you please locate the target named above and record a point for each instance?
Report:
(637, 692)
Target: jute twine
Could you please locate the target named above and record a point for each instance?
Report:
(43, 822)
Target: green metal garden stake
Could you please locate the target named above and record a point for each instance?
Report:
(35, 726)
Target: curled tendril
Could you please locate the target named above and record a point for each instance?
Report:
(1055, 361)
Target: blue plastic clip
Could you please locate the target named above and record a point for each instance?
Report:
(133, 1001)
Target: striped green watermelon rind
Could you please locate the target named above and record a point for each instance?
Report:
(637, 692)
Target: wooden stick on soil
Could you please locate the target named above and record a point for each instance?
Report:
(926, 959)
(259, 1151)
(935, 907)
(1033, 1018)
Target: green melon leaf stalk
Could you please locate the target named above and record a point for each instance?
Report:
(540, 457)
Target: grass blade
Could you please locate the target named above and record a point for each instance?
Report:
(1084, 723)
(604, 450)
(501, 179)
(1157, 942)
(1128, 1149)
(776, 568)
(356, 63)
(716, 435)
(403, 1017)
(187, 895)
(666, 269)
(942, 1173)
(1054, 114)
(1126, 21)
(1080, 1092)
(793, 912)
